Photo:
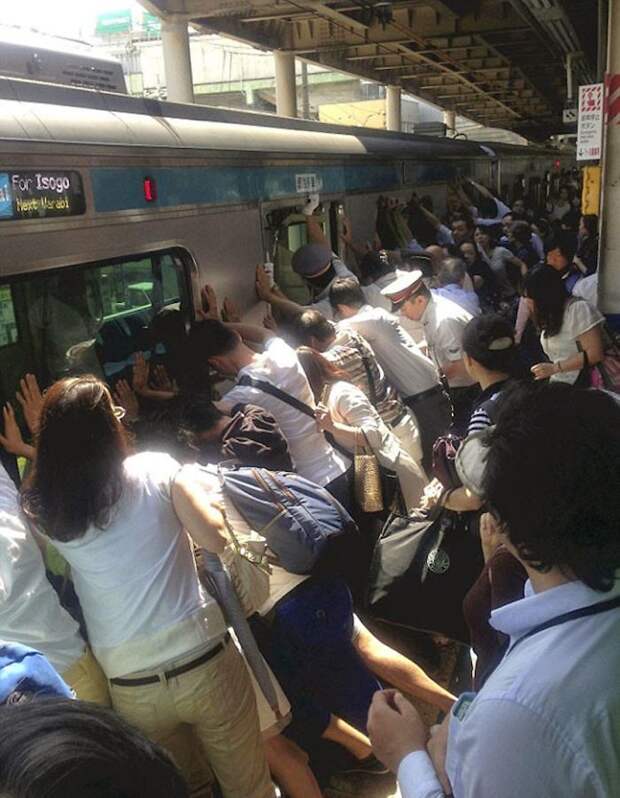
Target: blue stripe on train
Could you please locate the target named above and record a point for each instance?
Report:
(118, 189)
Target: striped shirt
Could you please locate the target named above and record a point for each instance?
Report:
(351, 353)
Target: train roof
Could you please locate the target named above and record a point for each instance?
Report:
(36, 112)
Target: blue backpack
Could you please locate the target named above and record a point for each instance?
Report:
(296, 517)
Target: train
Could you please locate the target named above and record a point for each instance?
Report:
(113, 207)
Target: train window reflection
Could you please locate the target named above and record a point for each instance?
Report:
(92, 318)
(8, 322)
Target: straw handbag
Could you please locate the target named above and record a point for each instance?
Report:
(367, 479)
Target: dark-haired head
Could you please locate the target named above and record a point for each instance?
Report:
(58, 748)
(211, 340)
(489, 344)
(373, 265)
(319, 371)
(552, 479)
(521, 232)
(588, 225)
(346, 295)
(546, 294)
(561, 249)
(77, 477)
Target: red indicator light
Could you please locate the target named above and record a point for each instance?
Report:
(150, 189)
(557, 164)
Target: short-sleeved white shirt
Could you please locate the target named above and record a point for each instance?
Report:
(30, 610)
(405, 367)
(312, 455)
(136, 578)
(444, 322)
(579, 317)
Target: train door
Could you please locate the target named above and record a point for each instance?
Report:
(286, 232)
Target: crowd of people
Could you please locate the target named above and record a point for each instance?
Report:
(185, 563)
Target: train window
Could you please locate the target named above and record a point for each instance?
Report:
(8, 324)
(89, 318)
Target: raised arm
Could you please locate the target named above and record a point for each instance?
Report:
(313, 225)
(270, 293)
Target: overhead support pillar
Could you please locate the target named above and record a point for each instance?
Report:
(177, 59)
(449, 120)
(286, 88)
(609, 252)
(393, 117)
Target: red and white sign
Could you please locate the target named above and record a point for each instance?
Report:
(590, 122)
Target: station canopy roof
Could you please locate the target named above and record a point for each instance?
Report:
(498, 62)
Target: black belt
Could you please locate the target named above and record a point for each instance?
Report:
(189, 666)
(419, 397)
(398, 419)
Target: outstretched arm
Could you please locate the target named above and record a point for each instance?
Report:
(271, 294)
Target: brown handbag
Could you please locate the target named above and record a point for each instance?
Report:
(367, 479)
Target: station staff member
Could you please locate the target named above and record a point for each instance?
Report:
(314, 262)
(444, 323)
(412, 374)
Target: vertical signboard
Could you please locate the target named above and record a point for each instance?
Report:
(590, 122)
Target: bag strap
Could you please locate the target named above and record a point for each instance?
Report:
(582, 612)
(267, 387)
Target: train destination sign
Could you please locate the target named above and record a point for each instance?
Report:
(40, 194)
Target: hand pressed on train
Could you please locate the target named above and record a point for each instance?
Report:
(230, 311)
(209, 302)
(127, 399)
(269, 323)
(12, 439)
(264, 288)
(395, 728)
(31, 399)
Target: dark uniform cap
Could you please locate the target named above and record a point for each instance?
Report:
(311, 259)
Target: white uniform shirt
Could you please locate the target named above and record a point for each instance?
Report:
(312, 455)
(406, 368)
(136, 579)
(444, 322)
(348, 405)
(546, 724)
(579, 317)
(30, 610)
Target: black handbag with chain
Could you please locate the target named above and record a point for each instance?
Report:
(422, 568)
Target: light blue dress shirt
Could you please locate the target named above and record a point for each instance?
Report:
(547, 722)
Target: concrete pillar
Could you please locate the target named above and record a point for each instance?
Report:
(609, 252)
(177, 59)
(449, 120)
(393, 119)
(286, 89)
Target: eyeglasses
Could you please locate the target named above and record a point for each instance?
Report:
(119, 412)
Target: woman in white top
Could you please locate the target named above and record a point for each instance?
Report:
(119, 521)
(347, 413)
(570, 328)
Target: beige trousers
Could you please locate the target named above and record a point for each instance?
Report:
(87, 680)
(217, 702)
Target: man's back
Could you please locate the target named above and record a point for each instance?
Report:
(278, 365)
(406, 368)
(547, 722)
